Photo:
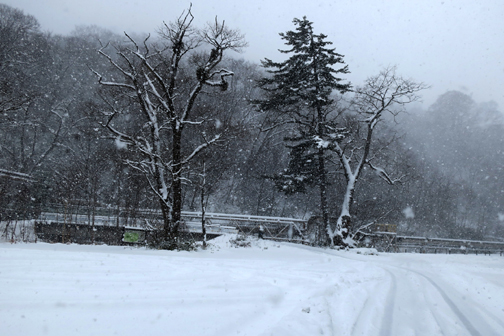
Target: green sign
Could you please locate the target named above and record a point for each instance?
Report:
(131, 237)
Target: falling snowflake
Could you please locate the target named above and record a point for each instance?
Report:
(408, 213)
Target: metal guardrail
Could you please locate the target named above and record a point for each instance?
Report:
(244, 218)
(216, 222)
(274, 227)
(391, 242)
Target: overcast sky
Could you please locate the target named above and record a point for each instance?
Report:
(448, 44)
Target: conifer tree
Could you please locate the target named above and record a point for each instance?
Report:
(299, 91)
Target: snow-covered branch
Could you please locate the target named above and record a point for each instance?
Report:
(386, 92)
(120, 85)
(149, 81)
(383, 174)
(16, 175)
(200, 148)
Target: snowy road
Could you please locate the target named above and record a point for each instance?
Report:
(415, 304)
(269, 289)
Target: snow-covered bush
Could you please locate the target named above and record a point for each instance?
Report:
(241, 240)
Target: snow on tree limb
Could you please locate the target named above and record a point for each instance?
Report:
(148, 78)
(16, 175)
(383, 174)
(386, 92)
(200, 148)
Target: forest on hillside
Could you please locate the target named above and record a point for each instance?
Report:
(96, 121)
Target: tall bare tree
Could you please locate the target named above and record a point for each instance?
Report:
(381, 94)
(156, 82)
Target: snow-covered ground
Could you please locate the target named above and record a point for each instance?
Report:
(266, 289)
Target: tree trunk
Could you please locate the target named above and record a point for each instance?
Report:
(177, 182)
(323, 191)
(203, 224)
(167, 222)
(321, 168)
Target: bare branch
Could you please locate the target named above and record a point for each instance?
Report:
(218, 35)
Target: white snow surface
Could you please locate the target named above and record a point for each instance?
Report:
(269, 288)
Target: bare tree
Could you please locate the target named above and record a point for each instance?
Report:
(385, 93)
(18, 35)
(35, 112)
(156, 81)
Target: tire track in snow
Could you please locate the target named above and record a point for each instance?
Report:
(375, 302)
(388, 316)
(416, 312)
(356, 330)
(470, 318)
(434, 300)
(434, 310)
(484, 311)
(410, 307)
(475, 316)
(469, 326)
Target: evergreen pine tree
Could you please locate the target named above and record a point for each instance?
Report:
(299, 91)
